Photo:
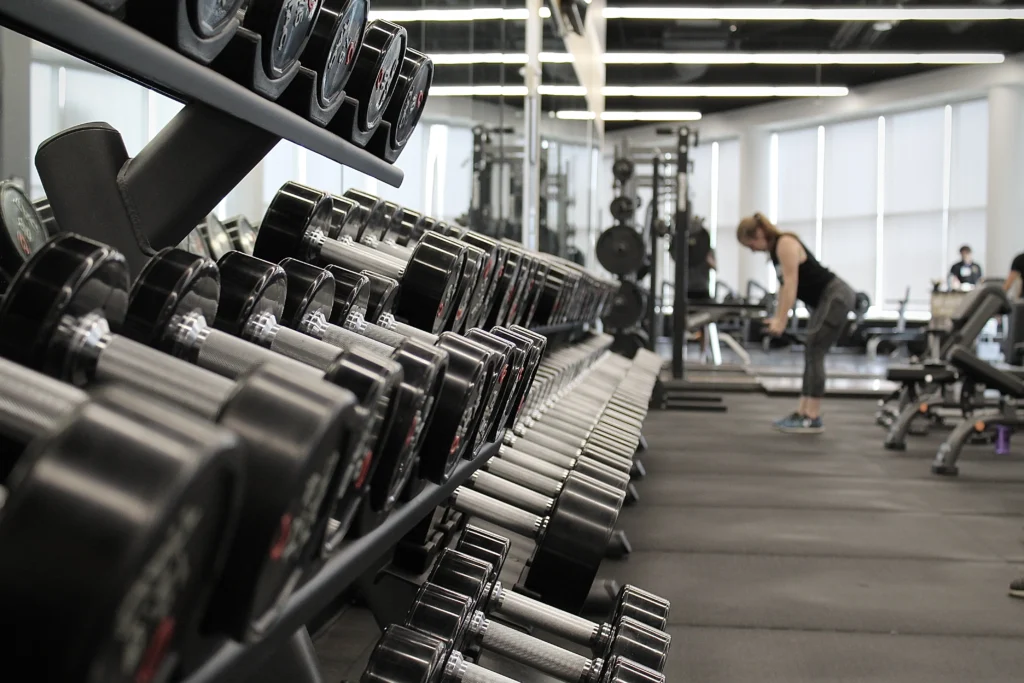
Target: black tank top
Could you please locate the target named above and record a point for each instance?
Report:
(812, 276)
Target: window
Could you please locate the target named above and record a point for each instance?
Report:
(915, 165)
(798, 184)
(968, 180)
(850, 207)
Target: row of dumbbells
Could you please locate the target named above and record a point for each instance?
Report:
(429, 274)
(463, 611)
(563, 472)
(312, 447)
(319, 58)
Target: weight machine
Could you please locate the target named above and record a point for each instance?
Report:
(498, 184)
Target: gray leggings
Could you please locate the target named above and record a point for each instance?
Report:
(826, 325)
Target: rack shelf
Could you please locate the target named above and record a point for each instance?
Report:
(76, 28)
(235, 662)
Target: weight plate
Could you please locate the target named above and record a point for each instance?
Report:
(622, 209)
(441, 613)
(408, 229)
(623, 670)
(508, 383)
(310, 290)
(345, 218)
(383, 294)
(370, 218)
(406, 106)
(406, 655)
(376, 71)
(469, 283)
(216, 236)
(295, 211)
(621, 250)
(172, 283)
(139, 580)
(249, 286)
(569, 554)
(351, 294)
(430, 282)
(334, 45)
(67, 276)
(23, 231)
(195, 243)
(210, 17)
(628, 306)
(294, 25)
(534, 350)
(45, 213)
(243, 235)
(622, 169)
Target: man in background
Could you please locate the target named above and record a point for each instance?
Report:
(965, 271)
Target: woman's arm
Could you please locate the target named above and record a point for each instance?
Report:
(789, 253)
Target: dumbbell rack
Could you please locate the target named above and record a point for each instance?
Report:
(235, 662)
(224, 131)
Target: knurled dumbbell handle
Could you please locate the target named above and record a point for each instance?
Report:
(232, 356)
(382, 335)
(533, 463)
(538, 654)
(526, 477)
(303, 348)
(509, 491)
(543, 454)
(343, 338)
(127, 362)
(545, 617)
(414, 332)
(32, 404)
(458, 670)
(555, 444)
(494, 511)
(360, 257)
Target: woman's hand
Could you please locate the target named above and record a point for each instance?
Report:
(777, 326)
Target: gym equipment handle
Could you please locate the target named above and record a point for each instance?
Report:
(154, 372)
(358, 257)
(31, 403)
(232, 357)
(532, 462)
(551, 659)
(458, 670)
(513, 493)
(494, 511)
(414, 332)
(304, 348)
(544, 453)
(382, 335)
(548, 618)
(342, 338)
(538, 482)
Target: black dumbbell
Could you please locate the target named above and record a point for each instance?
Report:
(455, 571)
(349, 307)
(311, 294)
(254, 294)
(22, 232)
(173, 302)
(195, 243)
(368, 221)
(570, 540)
(406, 105)
(334, 46)
(216, 236)
(56, 318)
(455, 618)
(297, 224)
(115, 519)
(242, 233)
(372, 82)
(383, 295)
(285, 27)
(406, 655)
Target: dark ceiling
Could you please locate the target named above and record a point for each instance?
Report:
(708, 36)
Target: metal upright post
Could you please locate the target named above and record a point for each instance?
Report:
(655, 291)
(531, 119)
(682, 243)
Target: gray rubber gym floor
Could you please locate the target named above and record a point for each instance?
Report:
(810, 558)
(826, 558)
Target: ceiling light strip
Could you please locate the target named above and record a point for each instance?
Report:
(722, 14)
(645, 91)
(734, 58)
(580, 115)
